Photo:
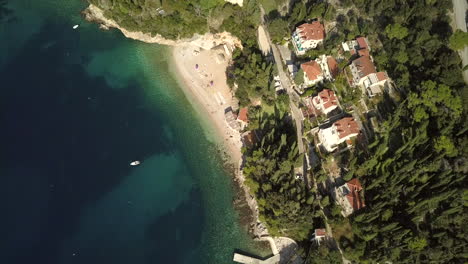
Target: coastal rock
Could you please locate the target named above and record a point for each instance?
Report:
(206, 41)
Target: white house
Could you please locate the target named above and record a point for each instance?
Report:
(361, 68)
(354, 45)
(319, 235)
(325, 101)
(348, 197)
(342, 130)
(366, 76)
(312, 73)
(373, 83)
(328, 65)
(307, 36)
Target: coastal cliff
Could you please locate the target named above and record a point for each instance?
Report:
(206, 41)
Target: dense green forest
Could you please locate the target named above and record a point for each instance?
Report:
(174, 19)
(414, 173)
(285, 204)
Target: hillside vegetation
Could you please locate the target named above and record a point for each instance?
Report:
(414, 173)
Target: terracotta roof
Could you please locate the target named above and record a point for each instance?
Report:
(328, 98)
(248, 139)
(332, 66)
(353, 197)
(243, 115)
(312, 31)
(355, 184)
(320, 232)
(363, 52)
(311, 69)
(308, 112)
(346, 126)
(362, 42)
(364, 66)
(382, 76)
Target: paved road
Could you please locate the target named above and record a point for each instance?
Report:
(459, 10)
(293, 97)
(284, 79)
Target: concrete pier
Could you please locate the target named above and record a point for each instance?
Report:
(250, 260)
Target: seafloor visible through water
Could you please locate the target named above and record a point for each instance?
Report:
(77, 106)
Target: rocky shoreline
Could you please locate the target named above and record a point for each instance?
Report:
(206, 41)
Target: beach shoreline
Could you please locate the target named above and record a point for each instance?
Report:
(196, 85)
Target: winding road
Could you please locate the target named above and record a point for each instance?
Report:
(459, 10)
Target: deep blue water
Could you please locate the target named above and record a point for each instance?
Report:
(77, 106)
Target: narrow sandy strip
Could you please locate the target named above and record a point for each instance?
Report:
(207, 89)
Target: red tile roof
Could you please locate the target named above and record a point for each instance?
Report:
(332, 66)
(311, 69)
(362, 42)
(243, 115)
(346, 126)
(364, 66)
(312, 31)
(320, 232)
(363, 52)
(328, 98)
(248, 139)
(382, 76)
(355, 184)
(353, 197)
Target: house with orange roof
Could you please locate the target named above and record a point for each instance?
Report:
(361, 68)
(312, 73)
(348, 196)
(329, 66)
(341, 131)
(325, 101)
(353, 46)
(307, 36)
(363, 71)
(319, 235)
(243, 117)
(248, 139)
(366, 76)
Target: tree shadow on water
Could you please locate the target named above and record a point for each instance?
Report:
(177, 233)
(75, 135)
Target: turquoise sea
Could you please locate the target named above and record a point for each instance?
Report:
(77, 106)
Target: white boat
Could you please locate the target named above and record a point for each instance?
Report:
(75, 26)
(135, 163)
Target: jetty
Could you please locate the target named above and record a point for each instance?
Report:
(240, 258)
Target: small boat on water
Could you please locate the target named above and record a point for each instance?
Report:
(75, 26)
(135, 163)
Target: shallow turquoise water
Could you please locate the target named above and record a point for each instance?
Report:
(77, 107)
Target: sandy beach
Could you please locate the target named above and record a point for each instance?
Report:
(202, 75)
